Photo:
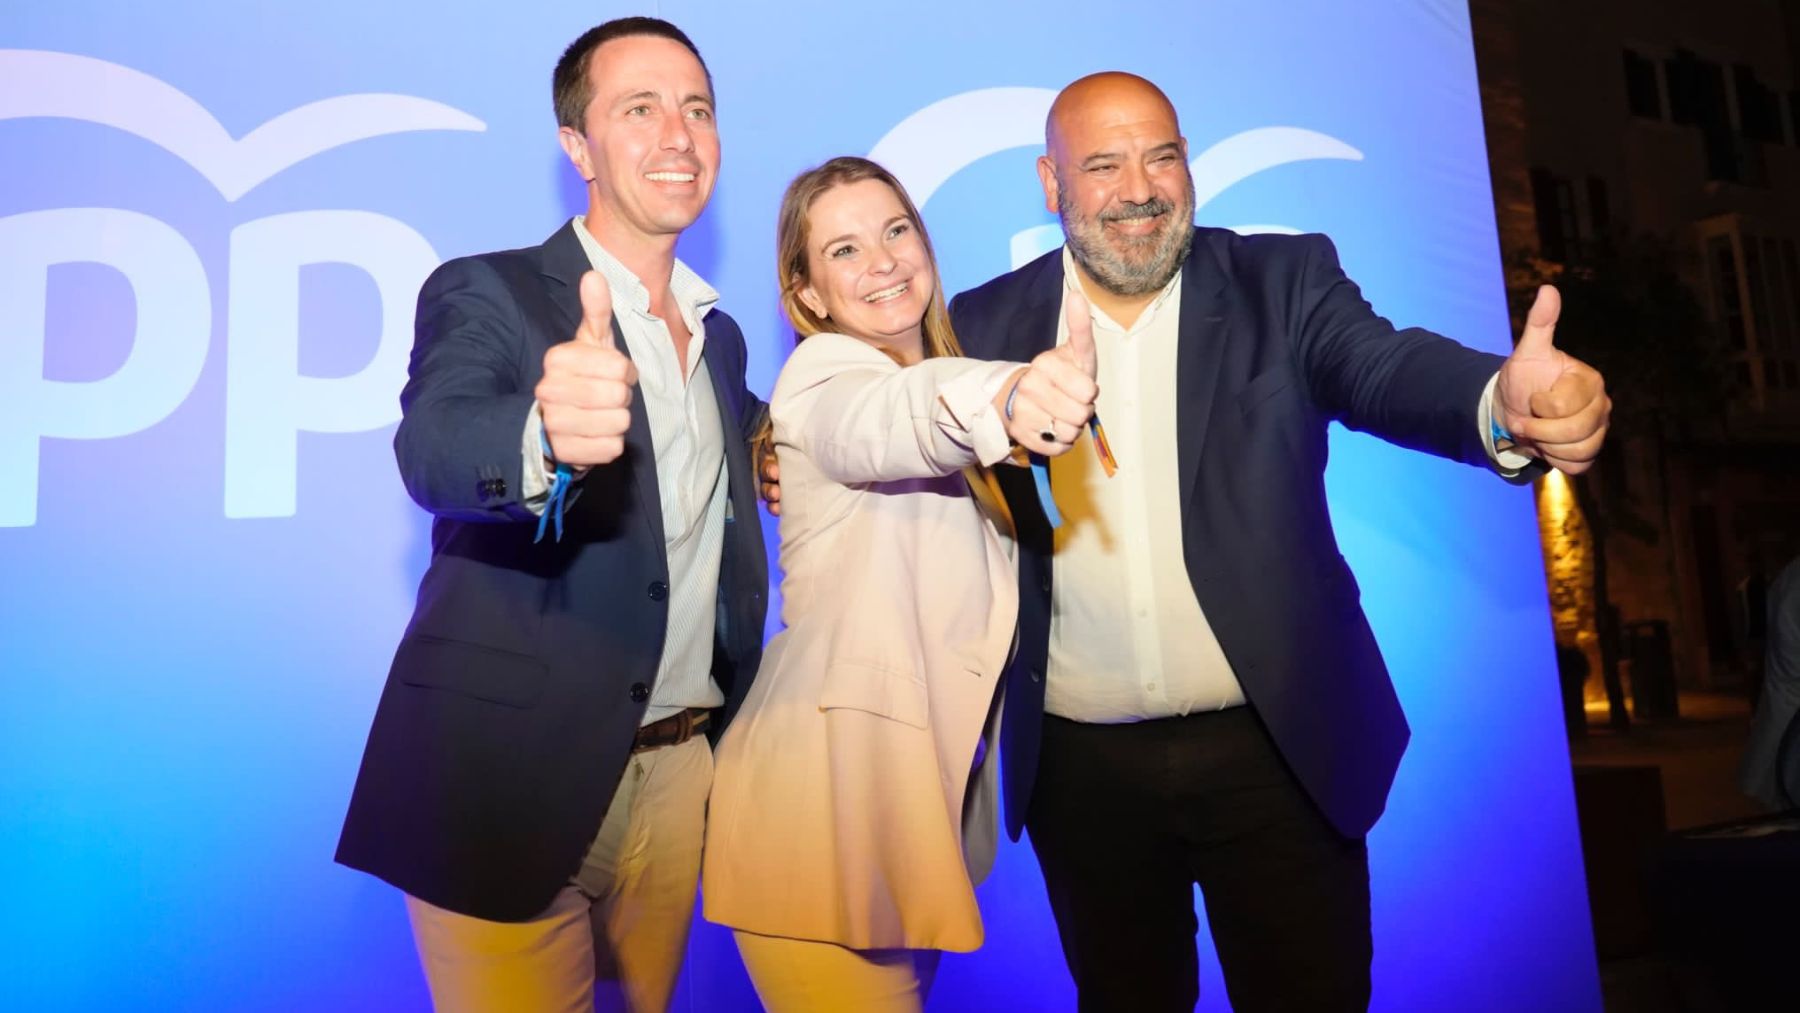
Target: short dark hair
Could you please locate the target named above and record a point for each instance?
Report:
(569, 85)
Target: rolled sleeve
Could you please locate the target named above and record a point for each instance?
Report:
(969, 405)
(534, 479)
(1510, 464)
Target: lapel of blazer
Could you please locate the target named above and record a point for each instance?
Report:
(563, 263)
(721, 371)
(1203, 333)
(740, 491)
(1033, 329)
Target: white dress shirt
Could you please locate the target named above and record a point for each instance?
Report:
(688, 440)
(1128, 639)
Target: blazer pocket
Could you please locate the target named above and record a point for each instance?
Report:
(475, 670)
(1264, 386)
(875, 689)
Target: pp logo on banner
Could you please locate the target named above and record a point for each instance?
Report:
(929, 147)
(267, 401)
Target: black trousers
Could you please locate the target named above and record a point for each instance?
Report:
(1125, 820)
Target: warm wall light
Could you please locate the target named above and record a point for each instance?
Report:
(1558, 498)
(1568, 566)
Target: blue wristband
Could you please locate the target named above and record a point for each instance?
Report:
(559, 491)
(1040, 474)
(1040, 469)
(1498, 432)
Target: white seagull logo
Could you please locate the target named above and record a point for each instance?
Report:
(38, 83)
(930, 146)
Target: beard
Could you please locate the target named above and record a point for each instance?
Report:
(1130, 265)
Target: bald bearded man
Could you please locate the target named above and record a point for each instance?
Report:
(1197, 697)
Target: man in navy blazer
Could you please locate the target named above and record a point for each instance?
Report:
(1197, 696)
(533, 779)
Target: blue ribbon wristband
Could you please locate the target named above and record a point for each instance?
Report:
(559, 493)
(1040, 474)
(1040, 469)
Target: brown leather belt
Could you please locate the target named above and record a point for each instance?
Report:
(672, 730)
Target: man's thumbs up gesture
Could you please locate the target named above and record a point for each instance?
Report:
(1555, 406)
(1051, 399)
(585, 395)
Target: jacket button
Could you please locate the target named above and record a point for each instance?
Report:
(658, 590)
(1037, 676)
(639, 692)
(1044, 582)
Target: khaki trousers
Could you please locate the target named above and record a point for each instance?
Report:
(616, 933)
(808, 976)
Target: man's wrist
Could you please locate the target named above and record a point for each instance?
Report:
(1500, 444)
(1503, 440)
(551, 463)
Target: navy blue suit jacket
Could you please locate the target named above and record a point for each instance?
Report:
(516, 690)
(1275, 343)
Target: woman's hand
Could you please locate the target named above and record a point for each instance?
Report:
(1046, 404)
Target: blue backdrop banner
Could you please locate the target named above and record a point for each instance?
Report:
(214, 220)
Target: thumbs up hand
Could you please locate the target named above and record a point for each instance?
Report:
(1080, 347)
(585, 395)
(1555, 405)
(1052, 398)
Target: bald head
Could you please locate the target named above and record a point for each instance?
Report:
(1108, 98)
(1115, 171)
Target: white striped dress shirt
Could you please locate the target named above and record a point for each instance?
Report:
(687, 437)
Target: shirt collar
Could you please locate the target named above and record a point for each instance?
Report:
(692, 293)
(1071, 278)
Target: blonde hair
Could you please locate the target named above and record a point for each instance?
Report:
(792, 266)
(791, 241)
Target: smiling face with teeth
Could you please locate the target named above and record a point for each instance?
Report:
(1116, 172)
(868, 271)
(649, 148)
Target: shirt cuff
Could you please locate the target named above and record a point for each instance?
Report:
(1508, 463)
(534, 493)
(970, 401)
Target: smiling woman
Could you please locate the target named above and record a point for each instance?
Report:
(847, 235)
(872, 278)
(854, 798)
